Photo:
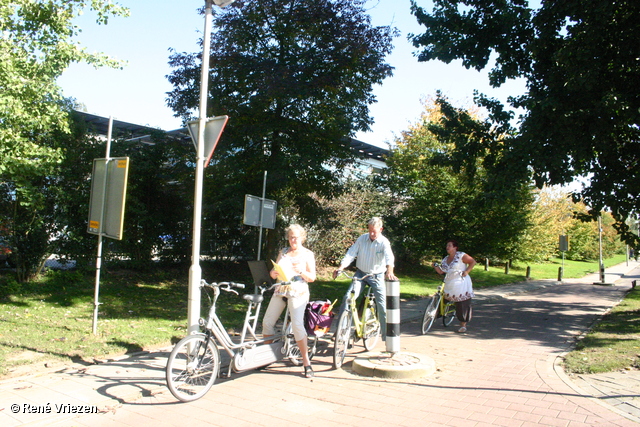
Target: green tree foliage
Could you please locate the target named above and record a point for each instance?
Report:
(158, 209)
(581, 108)
(584, 237)
(296, 79)
(159, 206)
(36, 46)
(345, 218)
(555, 214)
(443, 198)
(551, 216)
(69, 193)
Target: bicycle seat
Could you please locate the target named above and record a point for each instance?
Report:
(254, 298)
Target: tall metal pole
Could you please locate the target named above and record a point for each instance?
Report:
(600, 248)
(264, 192)
(195, 271)
(96, 293)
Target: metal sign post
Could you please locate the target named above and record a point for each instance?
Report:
(563, 245)
(195, 271)
(260, 212)
(106, 206)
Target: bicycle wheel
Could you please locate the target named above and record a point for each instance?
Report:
(192, 367)
(449, 313)
(371, 331)
(293, 351)
(342, 338)
(430, 313)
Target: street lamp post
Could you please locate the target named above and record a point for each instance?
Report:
(195, 271)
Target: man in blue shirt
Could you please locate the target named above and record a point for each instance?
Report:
(373, 254)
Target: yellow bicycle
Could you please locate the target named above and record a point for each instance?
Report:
(352, 326)
(438, 306)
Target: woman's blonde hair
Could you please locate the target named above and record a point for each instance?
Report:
(296, 227)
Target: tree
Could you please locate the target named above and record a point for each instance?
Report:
(345, 218)
(551, 216)
(580, 62)
(584, 237)
(159, 199)
(296, 78)
(443, 198)
(36, 46)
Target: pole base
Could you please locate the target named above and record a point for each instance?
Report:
(603, 284)
(394, 366)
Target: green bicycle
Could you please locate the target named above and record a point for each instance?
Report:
(351, 327)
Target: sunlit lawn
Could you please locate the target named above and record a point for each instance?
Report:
(613, 344)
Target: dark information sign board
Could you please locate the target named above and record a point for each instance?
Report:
(253, 205)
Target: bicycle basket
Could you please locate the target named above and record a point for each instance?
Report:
(318, 317)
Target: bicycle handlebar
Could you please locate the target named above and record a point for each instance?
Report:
(352, 277)
(225, 286)
(342, 272)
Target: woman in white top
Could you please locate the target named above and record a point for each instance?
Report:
(457, 283)
(296, 294)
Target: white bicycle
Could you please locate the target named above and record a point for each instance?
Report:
(194, 363)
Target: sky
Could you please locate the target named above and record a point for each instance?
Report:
(137, 93)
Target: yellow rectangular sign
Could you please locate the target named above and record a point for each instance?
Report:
(108, 195)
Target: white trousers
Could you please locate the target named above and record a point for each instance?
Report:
(296, 306)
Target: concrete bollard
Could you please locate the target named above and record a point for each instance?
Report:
(393, 316)
(486, 264)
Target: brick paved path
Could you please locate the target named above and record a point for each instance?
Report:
(500, 373)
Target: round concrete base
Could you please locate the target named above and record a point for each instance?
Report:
(394, 366)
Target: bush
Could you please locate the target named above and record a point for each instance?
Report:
(9, 286)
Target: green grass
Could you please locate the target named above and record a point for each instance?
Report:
(572, 269)
(50, 321)
(613, 344)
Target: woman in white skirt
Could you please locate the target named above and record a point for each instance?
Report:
(457, 283)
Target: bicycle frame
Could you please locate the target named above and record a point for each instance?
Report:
(351, 327)
(368, 298)
(194, 362)
(443, 302)
(446, 309)
(252, 353)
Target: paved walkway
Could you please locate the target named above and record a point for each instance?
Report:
(504, 371)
